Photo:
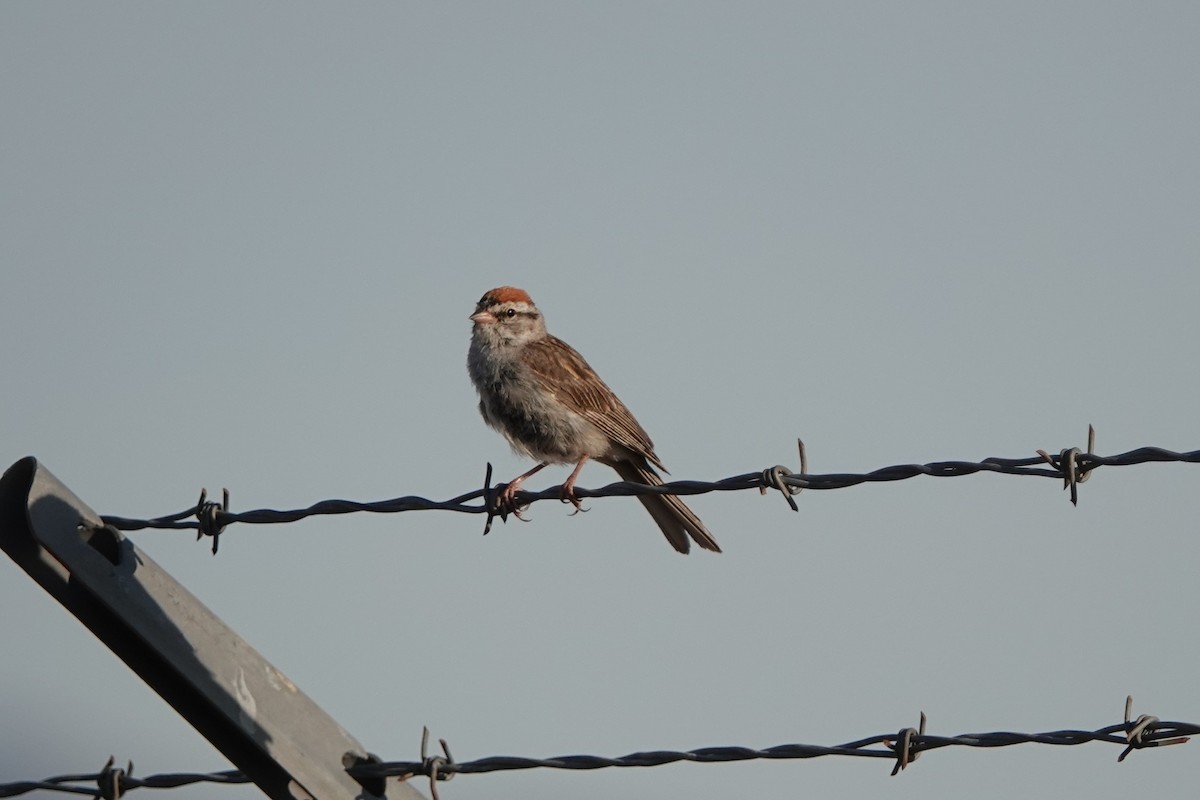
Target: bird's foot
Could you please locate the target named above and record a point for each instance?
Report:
(567, 495)
(506, 501)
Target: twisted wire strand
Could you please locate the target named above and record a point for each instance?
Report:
(902, 747)
(1071, 465)
(879, 746)
(173, 780)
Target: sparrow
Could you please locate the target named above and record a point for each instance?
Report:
(542, 396)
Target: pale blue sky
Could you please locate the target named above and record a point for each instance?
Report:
(240, 243)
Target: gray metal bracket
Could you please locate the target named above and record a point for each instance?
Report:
(234, 697)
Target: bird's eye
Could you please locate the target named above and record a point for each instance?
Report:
(512, 312)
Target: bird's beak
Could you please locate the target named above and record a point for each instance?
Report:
(482, 318)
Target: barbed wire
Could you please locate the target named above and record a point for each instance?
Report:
(1071, 465)
(112, 782)
(902, 748)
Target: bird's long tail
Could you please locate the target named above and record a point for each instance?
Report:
(677, 521)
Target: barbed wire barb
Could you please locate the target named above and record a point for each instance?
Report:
(111, 780)
(489, 499)
(208, 517)
(436, 767)
(906, 752)
(773, 476)
(1068, 463)
(1138, 729)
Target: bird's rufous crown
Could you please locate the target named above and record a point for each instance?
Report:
(507, 294)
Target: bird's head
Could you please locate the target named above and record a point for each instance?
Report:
(507, 315)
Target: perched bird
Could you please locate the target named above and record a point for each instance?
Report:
(551, 406)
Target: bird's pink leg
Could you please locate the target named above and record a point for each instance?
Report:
(505, 498)
(568, 488)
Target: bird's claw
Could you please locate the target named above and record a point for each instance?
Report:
(506, 502)
(568, 496)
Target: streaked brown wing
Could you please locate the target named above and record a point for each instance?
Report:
(576, 384)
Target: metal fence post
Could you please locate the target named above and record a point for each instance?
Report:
(234, 697)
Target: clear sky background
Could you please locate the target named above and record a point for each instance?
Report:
(240, 243)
